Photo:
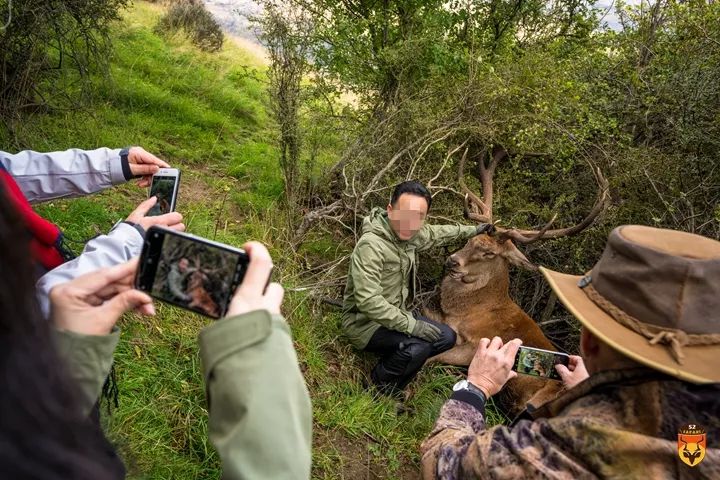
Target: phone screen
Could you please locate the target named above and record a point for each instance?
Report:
(539, 363)
(189, 272)
(163, 188)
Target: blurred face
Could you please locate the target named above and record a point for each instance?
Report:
(408, 215)
(183, 264)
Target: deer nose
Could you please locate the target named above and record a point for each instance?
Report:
(451, 262)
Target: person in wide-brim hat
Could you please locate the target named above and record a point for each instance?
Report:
(654, 296)
(643, 401)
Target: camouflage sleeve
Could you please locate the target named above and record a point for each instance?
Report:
(456, 428)
(460, 446)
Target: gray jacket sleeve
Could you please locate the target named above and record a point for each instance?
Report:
(46, 176)
(120, 245)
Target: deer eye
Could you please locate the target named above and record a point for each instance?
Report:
(488, 255)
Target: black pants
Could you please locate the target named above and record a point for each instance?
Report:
(402, 355)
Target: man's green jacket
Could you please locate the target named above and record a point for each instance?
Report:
(382, 275)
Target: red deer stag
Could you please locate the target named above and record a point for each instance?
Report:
(474, 297)
(200, 298)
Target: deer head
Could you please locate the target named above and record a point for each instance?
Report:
(481, 259)
(485, 258)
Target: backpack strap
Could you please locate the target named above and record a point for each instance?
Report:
(46, 239)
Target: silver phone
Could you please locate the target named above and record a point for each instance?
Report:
(164, 186)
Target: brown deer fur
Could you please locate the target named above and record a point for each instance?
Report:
(474, 296)
(200, 297)
(476, 303)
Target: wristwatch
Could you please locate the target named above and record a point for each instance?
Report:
(464, 385)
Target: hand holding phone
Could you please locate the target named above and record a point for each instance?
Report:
(573, 373)
(491, 367)
(92, 303)
(164, 187)
(191, 272)
(144, 164)
(539, 363)
(256, 293)
(140, 216)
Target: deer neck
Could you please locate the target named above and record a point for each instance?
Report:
(493, 293)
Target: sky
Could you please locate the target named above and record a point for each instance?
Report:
(609, 5)
(230, 14)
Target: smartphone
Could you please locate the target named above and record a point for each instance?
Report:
(538, 362)
(165, 187)
(190, 272)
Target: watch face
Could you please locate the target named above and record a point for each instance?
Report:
(462, 384)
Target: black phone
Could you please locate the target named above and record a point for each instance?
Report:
(164, 186)
(539, 362)
(190, 272)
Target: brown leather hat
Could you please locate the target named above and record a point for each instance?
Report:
(654, 296)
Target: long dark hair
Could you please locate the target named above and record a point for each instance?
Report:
(43, 433)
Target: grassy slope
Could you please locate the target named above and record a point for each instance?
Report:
(205, 114)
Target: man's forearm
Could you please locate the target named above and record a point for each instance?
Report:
(443, 450)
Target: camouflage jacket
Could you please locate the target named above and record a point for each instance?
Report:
(616, 424)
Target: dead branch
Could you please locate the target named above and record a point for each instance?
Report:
(314, 216)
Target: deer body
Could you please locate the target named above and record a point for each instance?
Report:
(200, 297)
(476, 303)
(475, 300)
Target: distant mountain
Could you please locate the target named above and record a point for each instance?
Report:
(232, 16)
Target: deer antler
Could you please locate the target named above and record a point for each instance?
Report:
(530, 236)
(484, 214)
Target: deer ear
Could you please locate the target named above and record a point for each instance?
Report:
(516, 257)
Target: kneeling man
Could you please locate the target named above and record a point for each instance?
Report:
(382, 281)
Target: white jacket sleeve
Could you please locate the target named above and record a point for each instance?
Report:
(123, 243)
(46, 176)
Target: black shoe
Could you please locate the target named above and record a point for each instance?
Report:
(391, 391)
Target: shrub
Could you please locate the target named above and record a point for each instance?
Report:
(40, 38)
(197, 22)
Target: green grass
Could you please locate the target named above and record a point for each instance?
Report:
(205, 113)
(195, 108)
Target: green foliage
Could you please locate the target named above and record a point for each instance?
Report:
(535, 78)
(40, 40)
(384, 51)
(284, 31)
(198, 23)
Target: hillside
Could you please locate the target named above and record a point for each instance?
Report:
(206, 114)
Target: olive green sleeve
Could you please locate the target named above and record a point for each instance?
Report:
(366, 267)
(260, 413)
(441, 235)
(88, 359)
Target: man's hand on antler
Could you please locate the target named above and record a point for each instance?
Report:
(488, 228)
